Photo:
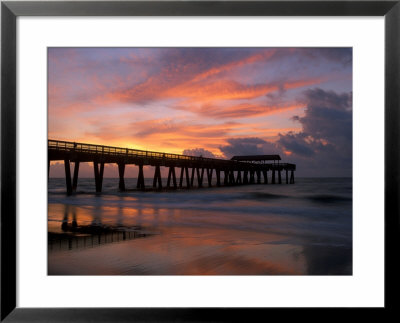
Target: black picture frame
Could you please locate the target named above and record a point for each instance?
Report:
(10, 10)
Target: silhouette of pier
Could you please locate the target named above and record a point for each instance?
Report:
(240, 170)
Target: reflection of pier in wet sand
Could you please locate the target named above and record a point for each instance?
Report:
(240, 170)
(69, 241)
(75, 236)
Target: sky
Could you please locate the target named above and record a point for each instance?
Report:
(214, 102)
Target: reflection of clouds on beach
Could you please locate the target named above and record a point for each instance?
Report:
(185, 251)
(194, 251)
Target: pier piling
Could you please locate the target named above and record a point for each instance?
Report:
(171, 173)
(98, 175)
(292, 177)
(226, 177)
(245, 177)
(252, 177)
(121, 172)
(209, 176)
(192, 177)
(258, 172)
(157, 177)
(140, 181)
(265, 174)
(75, 178)
(68, 176)
(218, 174)
(239, 177)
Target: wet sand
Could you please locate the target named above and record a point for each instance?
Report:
(234, 231)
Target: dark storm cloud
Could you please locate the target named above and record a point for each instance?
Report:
(324, 145)
(296, 144)
(326, 137)
(249, 146)
(328, 116)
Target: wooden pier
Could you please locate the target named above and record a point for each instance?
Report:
(240, 170)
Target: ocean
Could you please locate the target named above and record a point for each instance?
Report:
(263, 229)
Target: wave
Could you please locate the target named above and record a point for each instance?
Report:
(330, 199)
(265, 195)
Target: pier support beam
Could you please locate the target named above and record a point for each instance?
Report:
(265, 174)
(226, 177)
(140, 181)
(121, 172)
(279, 177)
(75, 178)
(192, 177)
(252, 177)
(209, 176)
(218, 174)
(292, 177)
(200, 176)
(98, 175)
(171, 173)
(287, 177)
(231, 178)
(157, 177)
(187, 177)
(258, 172)
(183, 171)
(273, 176)
(245, 177)
(239, 177)
(68, 176)
(180, 177)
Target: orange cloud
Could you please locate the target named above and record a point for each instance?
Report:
(219, 90)
(226, 67)
(244, 110)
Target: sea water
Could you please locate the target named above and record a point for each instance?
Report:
(262, 229)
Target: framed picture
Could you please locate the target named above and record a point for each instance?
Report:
(192, 160)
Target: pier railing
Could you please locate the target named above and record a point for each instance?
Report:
(71, 147)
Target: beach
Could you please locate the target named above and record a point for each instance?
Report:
(300, 229)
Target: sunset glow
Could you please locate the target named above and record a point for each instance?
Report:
(221, 101)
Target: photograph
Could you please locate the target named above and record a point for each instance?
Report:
(200, 161)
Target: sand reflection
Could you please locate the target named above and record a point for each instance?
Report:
(167, 250)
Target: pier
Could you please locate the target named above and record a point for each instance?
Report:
(240, 170)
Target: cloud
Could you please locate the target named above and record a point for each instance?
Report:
(243, 110)
(192, 75)
(262, 56)
(199, 152)
(323, 147)
(164, 134)
(296, 144)
(172, 99)
(342, 55)
(249, 146)
(325, 140)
